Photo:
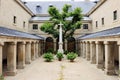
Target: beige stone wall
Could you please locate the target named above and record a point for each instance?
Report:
(77, 32)
(10, 8)
(106, 11)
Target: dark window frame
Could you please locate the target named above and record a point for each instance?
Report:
(24, 23)
(85, 26)
(103, 21)
(115, 15)
(35, 26)
(14, 19)
(96, 23)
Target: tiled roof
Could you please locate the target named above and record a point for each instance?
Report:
(105, 33)
(43, 5)
(46, 18)
(14, 33)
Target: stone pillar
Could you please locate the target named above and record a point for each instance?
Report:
(21, 55)
(1, 53)
(11, 59)
(65, 45)
(37, 50)
(33, 51)
(60, 39)
(28, 53)
(93, 53)
(119, 55)
(99, 55)
(55, 49)
(81, 49)
(87, 51)
(84, 50)
(109, 59)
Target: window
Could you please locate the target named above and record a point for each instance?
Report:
(96, 23)
(114, 15)
(35, 26)
(23, 23)
(85, 26)
(14, 19)
(102, 21)
(38, 8)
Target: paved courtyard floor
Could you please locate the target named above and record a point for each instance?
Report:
(79, 70)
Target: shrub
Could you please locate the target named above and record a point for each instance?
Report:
(48, 57)
(1, 77)
(59, 56)
(71, 56)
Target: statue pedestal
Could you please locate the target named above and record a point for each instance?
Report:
(61, 48)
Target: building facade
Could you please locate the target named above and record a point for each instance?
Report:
(21, 40)
(17, 46)
(101, 47)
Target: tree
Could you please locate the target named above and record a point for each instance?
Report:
(71, 20)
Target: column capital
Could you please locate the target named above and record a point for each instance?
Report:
(106, 42)
(13, 43)
(23, 43)
(118, 43)
(91, 42)
(97, 42)
(1, 43)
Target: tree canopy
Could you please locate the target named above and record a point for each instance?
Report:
(71, 20)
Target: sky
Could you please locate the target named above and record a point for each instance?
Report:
(56, 0)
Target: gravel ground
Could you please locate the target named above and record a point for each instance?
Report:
(79, 70)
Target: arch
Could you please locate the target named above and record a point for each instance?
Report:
(71, 44)
(49, 45)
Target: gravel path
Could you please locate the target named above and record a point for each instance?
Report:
(79, 70)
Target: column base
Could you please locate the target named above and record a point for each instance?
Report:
(27, 62)
(100, 66)
(93, 62)
(33, 59)
(88, 59)
(20, 66)
(109, 72)
(11, 73)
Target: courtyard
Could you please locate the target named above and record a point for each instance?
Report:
(64, 70)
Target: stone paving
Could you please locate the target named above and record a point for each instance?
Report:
(79, 70)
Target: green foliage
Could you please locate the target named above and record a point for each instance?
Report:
(66, 51)
(48, 57)
(59, 55)
(71, 56)
(69, 26)
(1, 77)
(50, 50)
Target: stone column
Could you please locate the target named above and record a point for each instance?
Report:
(109, 59)
(21, 55)
(11, 59)
(1, 53)
(65, 45)
(99, 55)
(93, 53)
(55, 49)
(84, 50)
(119, 55)
(81, 49)
(28, 53)
(87, 51)
(33, 51)
(37, 50)
(60, 39)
